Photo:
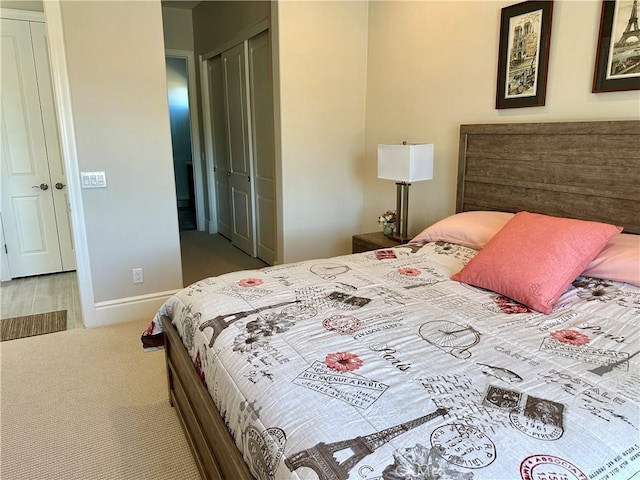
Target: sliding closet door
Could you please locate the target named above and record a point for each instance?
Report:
(241, 169)
(221, 169)
(240, 92)
(261, 97)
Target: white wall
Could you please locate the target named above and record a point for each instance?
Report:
(432, 66)
(177, 26)
(30, 5)
(216, 23)
(117, 81)
(403, 70)
(321, 53)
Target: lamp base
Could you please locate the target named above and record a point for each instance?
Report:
(398, 238)
(402, 211)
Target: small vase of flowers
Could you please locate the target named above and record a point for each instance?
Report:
(388, 222)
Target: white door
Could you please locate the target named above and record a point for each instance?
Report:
(34, 205)
(221, 169)
(239, 149)
(261, 94)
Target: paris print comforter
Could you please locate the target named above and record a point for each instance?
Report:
(377, 366)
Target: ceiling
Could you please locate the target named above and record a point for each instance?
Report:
(186, 4)
(36, 5)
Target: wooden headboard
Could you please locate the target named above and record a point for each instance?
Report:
(584, 170)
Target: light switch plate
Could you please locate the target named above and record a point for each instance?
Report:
(93, 179)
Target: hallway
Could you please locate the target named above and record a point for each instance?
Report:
(203, 255)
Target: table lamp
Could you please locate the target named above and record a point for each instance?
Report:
(405, 163)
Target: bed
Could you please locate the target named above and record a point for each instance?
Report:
(378, 365)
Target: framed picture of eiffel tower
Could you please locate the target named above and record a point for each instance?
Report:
(618, 56)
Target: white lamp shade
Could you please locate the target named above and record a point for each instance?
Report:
(406, 163)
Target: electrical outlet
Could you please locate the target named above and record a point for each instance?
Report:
(137, 275)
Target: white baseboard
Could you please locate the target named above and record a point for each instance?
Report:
(129, 309)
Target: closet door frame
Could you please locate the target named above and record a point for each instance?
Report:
(55, 205)
(260, 75)
(208, 125)
(64, 112)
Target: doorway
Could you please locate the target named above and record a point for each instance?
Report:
(178, 96)
(36, 224)
(184, 139)
(38, 254)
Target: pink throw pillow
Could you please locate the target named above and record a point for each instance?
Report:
(534, 258)
(619, 260)
(469, 229)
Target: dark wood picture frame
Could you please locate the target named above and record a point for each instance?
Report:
(523, 58)
(613, 71)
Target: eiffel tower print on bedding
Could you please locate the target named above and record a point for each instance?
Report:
(387, 369)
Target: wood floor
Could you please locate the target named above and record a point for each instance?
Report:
(41, 294)
(203, 255)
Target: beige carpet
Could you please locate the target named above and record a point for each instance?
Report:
(88, 404)
(205, 255)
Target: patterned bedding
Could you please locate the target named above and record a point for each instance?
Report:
(377, 366)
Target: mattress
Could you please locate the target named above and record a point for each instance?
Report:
(378, 366)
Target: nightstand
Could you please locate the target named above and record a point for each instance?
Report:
(372, 241)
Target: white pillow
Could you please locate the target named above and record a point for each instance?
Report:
(619, 260)
(469, 229)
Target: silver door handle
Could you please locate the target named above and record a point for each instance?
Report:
(42, 186)
(60, 186)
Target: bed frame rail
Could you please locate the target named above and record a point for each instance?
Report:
(213, 447)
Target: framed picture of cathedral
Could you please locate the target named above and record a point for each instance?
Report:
(618, 56)
(523, 56)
